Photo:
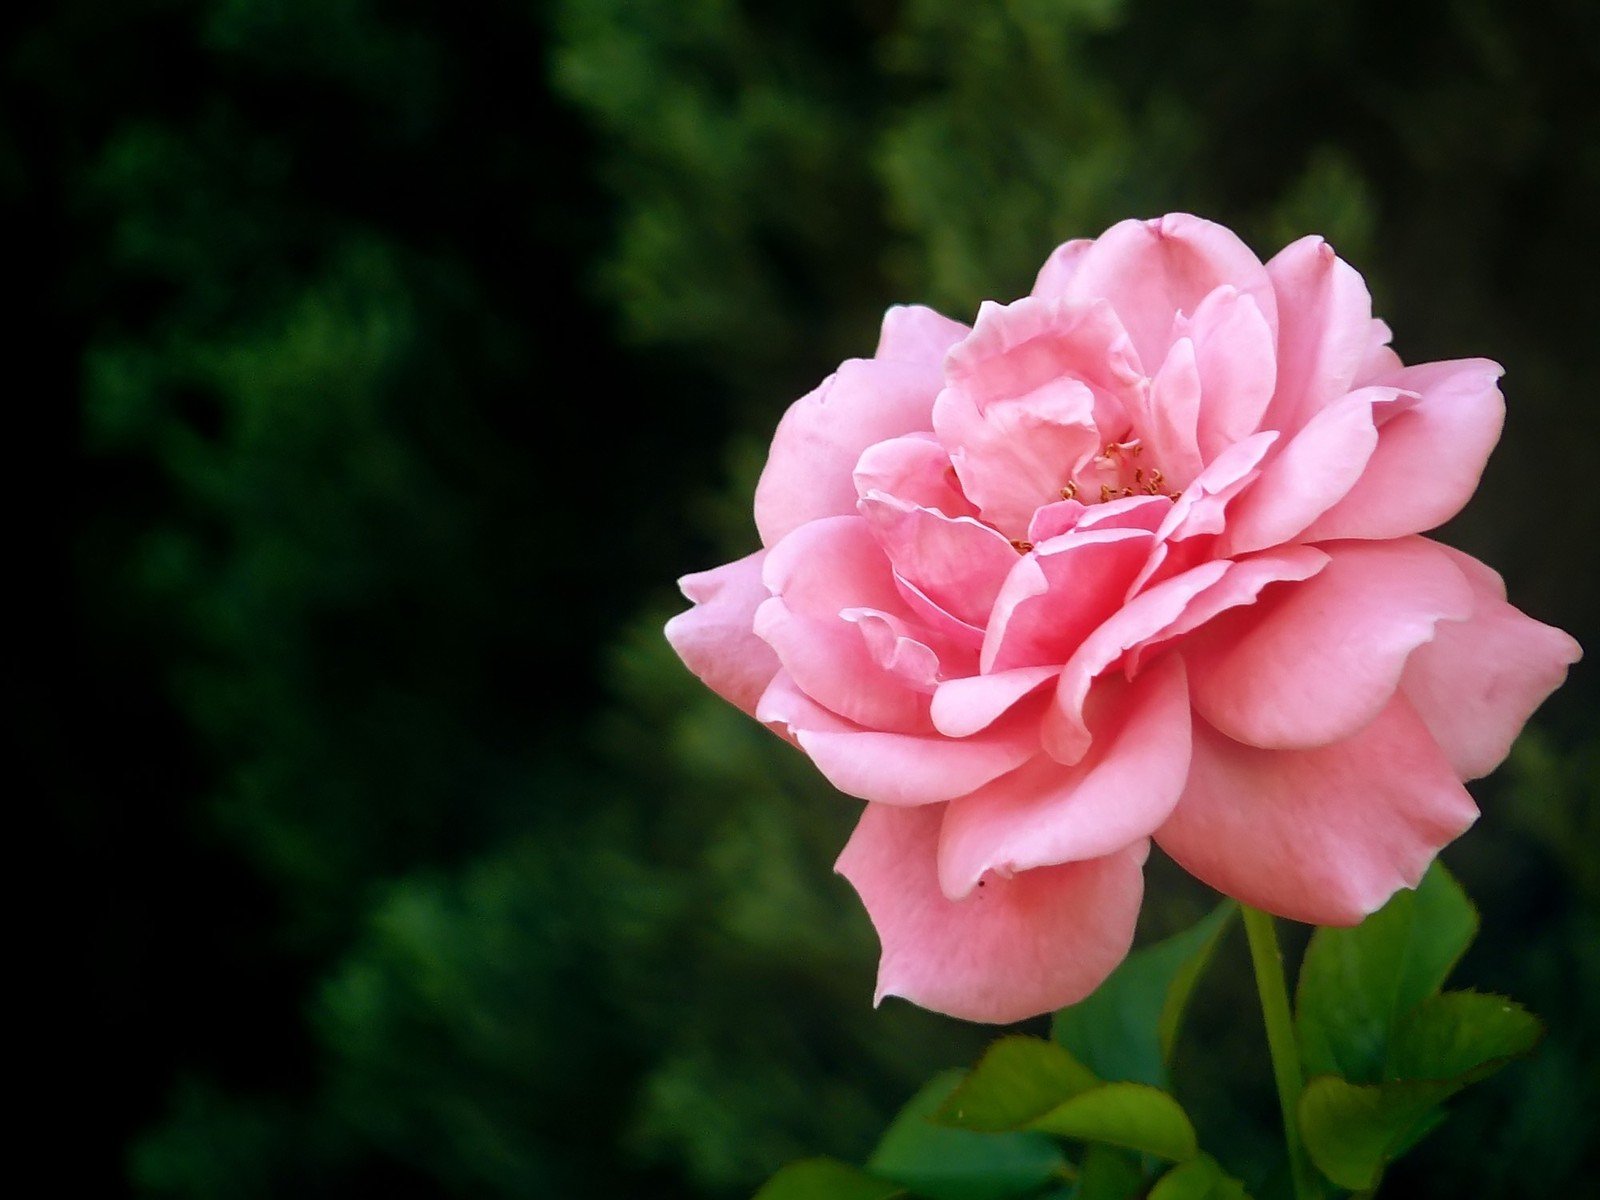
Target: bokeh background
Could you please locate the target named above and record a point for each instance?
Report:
(388, 360)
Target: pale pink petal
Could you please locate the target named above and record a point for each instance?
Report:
(1381, 359)
(1144, 617)
(958, 564)
(1324, 330)
(1059, 268)
(1236, 359)
(1242, 584)
(966, 704)
(716, 638)
(914, 468)
(1054, 519)
(897, 768)
(915, 333)
(1013, 949)
(900, 648)
(827, 566)
(1201, 507)
(1314, 663)
(1314, 471)
(1166, 417)
(1057, 594)
(1153, 270)
(1428, 459)
(1027, 398)
(821, 437)
(1477, 683)
(1323, 836)
(830, 660)
(1044, 814)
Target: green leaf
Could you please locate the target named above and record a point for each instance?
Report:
(1017, 1080)
(1126, 1029)
(1134, 1116)
(1025, 1083)
(1356, 985)
(1108, 1174)
(1460, 1036)
(1198, 1179)
(941, 1163)
(1447, 1041)
(826, 1179)
(1353, 1131)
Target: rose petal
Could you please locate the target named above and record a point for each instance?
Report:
(821, 437)
(716, 638)
(1236, 359)
(1478, 681)
(1314, 471)
(1151, 271)
(958, 564)
(1324, 330)
(1044, 814)
(1428, 459)
(1315, 663)
(1144, 617)
(1025, 398)
(1059, 268)
(1381, 360)
(896, 768)
(915, 468)
(830, 660)
(962, 706)
(918, 334)
(827, 566)
(1057, 594)
(1014, 948)
(1323, 836)
(1167, 414)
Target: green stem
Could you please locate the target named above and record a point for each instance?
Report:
(1268, 962)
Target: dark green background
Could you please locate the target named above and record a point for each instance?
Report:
(380, 366)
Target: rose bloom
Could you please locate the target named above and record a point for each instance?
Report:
(1135, 556)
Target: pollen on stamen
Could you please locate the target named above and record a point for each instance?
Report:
(1070, 492)
(1021, 546)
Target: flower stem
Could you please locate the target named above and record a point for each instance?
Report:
(1268, 962)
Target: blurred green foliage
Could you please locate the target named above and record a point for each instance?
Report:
(396, 354)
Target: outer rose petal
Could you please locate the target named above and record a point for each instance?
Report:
(916, 333)
(1014, 948)
(1429, 458)
(1479, 680)
(1324, 330)
(827, 566)
(1315, 663)
(1153, 270)
(716, 638)
(1044, 814)
(1322, 836)
(896, 768)
(821, 437)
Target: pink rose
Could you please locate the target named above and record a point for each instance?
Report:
(1135, 556)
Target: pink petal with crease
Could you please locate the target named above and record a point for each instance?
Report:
(1477, 683)
(1014, 948)
(716, 638)
(1044, 814)
(821, 437)
(1317, 662)
(1323, 836)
